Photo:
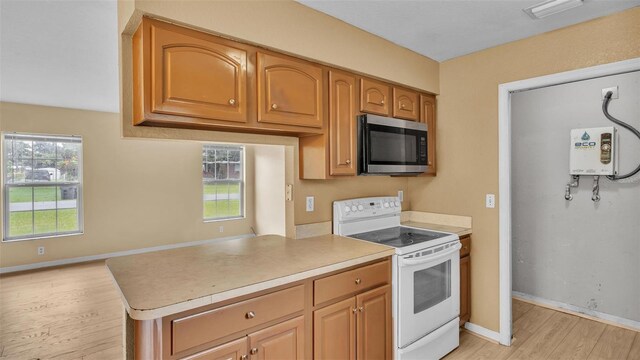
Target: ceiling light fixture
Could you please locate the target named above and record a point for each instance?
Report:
(551, 7)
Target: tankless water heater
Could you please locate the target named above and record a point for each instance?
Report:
(593, 151)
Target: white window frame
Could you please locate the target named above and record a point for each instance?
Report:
(240, 181)
(6, 137)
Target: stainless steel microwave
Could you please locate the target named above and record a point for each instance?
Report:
(388, 146)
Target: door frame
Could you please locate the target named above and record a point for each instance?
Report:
(504, 166)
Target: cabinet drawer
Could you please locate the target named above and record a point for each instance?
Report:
(198, 329)
(466, 246)
(350, 282)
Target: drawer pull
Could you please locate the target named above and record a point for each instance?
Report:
(232, 101)
(358, 281)
(250, 315)
(253, 351)
(244, 357)
(274, 106)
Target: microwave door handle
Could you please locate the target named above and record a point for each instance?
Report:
(427, 259)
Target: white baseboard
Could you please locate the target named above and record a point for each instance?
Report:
(44, 264)
(482, 331)
(576, 310)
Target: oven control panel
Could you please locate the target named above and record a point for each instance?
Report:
(366, 208)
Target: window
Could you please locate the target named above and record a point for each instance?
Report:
(42, 186)
(223, 181)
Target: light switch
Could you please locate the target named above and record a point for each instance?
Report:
(491, 201)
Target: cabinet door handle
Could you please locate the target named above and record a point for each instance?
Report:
(361, 309)
(253, 351)
(232, 101)
(401, 106)
(348, 162)
(244, 357)
(355, 310)
(250, 315)
(358, 281)
(381, 102)
(274, 106)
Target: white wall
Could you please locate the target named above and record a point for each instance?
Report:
(269, 182)
(579, 253)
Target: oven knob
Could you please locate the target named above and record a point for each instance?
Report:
(354, 208)
(360, 207)
(386, 204)
(347, 209)
(397, 203)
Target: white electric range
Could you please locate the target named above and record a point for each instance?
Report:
(426, 275)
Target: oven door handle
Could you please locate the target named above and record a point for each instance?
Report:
(428, 259)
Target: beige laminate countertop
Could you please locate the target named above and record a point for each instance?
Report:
(162, 283)
(439, 227)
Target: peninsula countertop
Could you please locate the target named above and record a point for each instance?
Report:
(162, 283)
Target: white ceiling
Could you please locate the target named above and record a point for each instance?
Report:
(444, 29)
(60, 53)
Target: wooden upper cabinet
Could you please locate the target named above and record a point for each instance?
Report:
(374, 97)
(289, 91)
(284, 341)
(194, 74)
(374, 339)
(342, 124)
(406, 104)
(334, 330)
(428, 116)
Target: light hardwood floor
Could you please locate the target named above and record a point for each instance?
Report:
(72, 312)
(75, 312)
(541, 333)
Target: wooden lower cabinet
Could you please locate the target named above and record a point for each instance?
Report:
(374, 324)
(465, 280)
(234, 350)
(343, 314)
(284, 341)
(356, 328)
(334, 331)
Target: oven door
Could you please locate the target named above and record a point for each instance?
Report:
(428, 291)
(392, 146)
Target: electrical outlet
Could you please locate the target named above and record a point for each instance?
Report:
(401, 195)
(613, 89)
(40, 250)
(310, 200)
(221, 228)
(491, 201)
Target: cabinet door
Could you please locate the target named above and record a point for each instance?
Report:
(334, 329)
(284, 341)
(374, 324)
(428, 116)
(465, 289)
(234, 350)
(289, 92)
(406, 104)
(374, 97)
(197, 76)
(342, 124)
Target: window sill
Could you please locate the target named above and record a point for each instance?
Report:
(42, 237)
(224, 219)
